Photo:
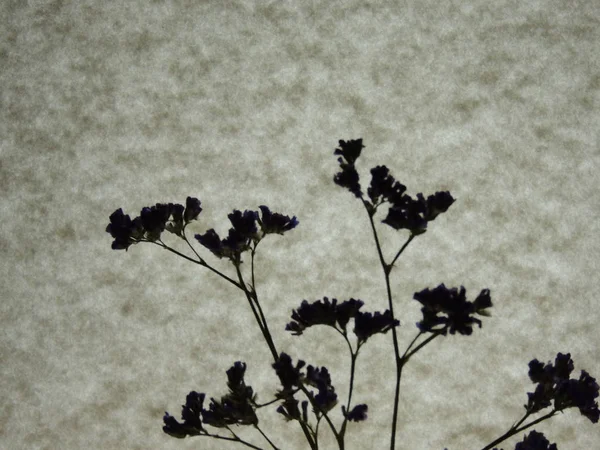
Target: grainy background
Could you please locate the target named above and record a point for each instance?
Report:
(241, 103)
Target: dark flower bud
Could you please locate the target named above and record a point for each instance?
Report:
(176, 224)
(192, 209)
(367, 324)
(323, 312)
(438, 203)
(454, 305)
(192, 424)
(350, 150)
(384, 187)
(554, 385)
(348, 177)
(357, 414)
(244, 223)
(407, 215)
(154, 220)
(124, 230)
(212, 242)
(289, 375)
(326, 397)
(274, 222)
(289, 409)
(535, 441)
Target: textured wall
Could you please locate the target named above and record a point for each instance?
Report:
(241, 103)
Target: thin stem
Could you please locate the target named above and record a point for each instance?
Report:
(265, 436)
(318, 408)
(514, 429)
(411, 237)
(408, 355)
(353, 357)
(386, 272)
(232, 439)
(253, 301)
(201, 262)
(387, 268)
(254, 295)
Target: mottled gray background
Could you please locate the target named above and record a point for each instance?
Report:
(241, 103)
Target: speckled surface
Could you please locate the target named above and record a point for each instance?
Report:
(241, 103)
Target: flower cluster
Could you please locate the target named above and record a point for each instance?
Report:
(404, 212)
(151, 222)
(244, 231)
(535, 441)
(554, 385)
(235, 408)
(451, 302)
(247, 227)
(325, 312)
(293, 379)
(444, 310)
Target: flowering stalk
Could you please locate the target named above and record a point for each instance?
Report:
(445, 311)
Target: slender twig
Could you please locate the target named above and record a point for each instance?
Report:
(410, 238)
(201, 262)
(514, 429)
(408, 355)
(386, 272)
(353, 356)
(253, 301)
(266, 437)
(235, 438)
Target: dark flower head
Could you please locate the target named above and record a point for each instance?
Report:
(367, 324)
(192, 424)
(555, 386)
(274, 222)
(438, 203)
(212, 242)
(290, 376)
(350, 150)
(244, 223)
(238, 239)
(235, 408)
(323, 312)
(154, 220)
(181, 216)
(124, 230)
(348, 177)
(451, 302)
(235, 375)
(407, 215)
(357, 414)
(384, 187)
(176, 225)
(535, 441)
(192, 209)
(326, 397)
(151, 222)
(414, 214)
(229, 411)
(289, 409)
